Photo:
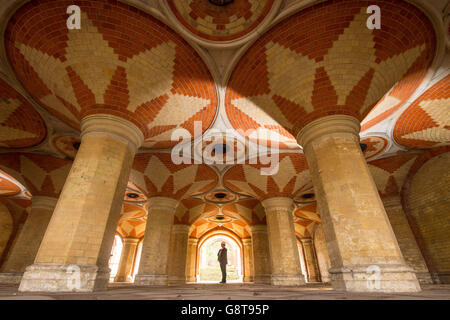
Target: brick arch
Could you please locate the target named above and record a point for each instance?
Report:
(8, 185)
(21, 125)
(141, 70)
(324, 61)
(418, 227)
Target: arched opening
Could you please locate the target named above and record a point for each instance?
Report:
(114, 260)
(208, 269)
(6, 229)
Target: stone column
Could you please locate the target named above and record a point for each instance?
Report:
(178, 254)
(311, 260)
(261, 254)
(286, 270)
(75, 250)
(27, 244)
(323, 259)
(405, 237)
(360, 240)
(191, 260)
(156, 246)
(248, 260)
(126, 260)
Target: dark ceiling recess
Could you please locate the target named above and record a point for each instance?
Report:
(220, 149)
(220, 195)
(308, 196)
(221, 2)
(76, 145)
(220, 217)
(363, 146)
(132, 195)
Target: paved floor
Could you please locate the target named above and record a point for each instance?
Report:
(227, 292)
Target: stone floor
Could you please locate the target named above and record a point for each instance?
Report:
(227, 292)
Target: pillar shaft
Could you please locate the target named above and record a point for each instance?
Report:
(75, 250)
(126, 260)
(27, 244)
(286, 270)
(153, 268)
(191, 260)
(363, 250)
(178, 254)
(261, 254)
(310, 260)
(405, 237)
(248, 260)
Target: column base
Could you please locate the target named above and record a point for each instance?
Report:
(248, 279)
(424, 278)
(390, 278)
(175, 281)
(151, 280)
(262, 279)
(123, 279)
(191, 279)
(287, 280)
(64, 278)
(12, 278)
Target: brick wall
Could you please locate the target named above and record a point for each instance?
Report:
(428, 204)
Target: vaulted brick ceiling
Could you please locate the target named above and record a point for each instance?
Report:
(157, 175)
(220, 23)
(291, 178)
(324, 60)
(20, 124)
(121, 62)
(426, 123)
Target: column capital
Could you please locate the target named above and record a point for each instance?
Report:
(277, 204)
(247, 241)
(162, 203)
(193, 241)
(258, 228)
(43, 202)
(131, 240)
(328, 125)
(180, 228)
(306, 240)
(116, 127)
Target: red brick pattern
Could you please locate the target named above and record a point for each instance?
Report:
(254, 215)
(292, 178)
(141, 70)
(426, 123)
(220, 23)
(20, 124)
(191, 210)
(390, 173)
(375, 146)
(132, 221)
(40, 174)
(157, 175)
(331, 57)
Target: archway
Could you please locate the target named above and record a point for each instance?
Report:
(208, 270)
(114, 260)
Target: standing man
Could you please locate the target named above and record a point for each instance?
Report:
(223, 260)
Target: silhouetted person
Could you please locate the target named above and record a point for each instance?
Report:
(222, 258)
